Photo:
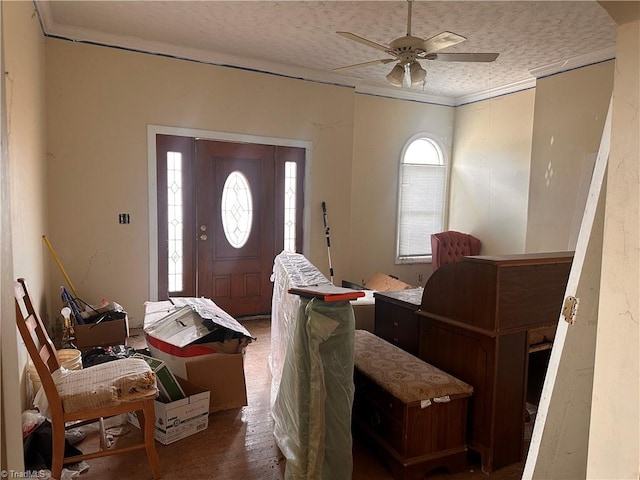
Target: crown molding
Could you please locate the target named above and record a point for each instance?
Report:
(44, 12)
(225, 60)
(77, 34)
(51, 29)
(400, 94)
(574, 62)
(496, 92)
(197, 55)
(540, 72)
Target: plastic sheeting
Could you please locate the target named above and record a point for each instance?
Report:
(311, 364)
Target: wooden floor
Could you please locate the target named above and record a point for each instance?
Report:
(239, 443)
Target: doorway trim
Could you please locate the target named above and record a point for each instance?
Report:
(153, 130)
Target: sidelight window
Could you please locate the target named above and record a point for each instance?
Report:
(175, 221)
(290, 203)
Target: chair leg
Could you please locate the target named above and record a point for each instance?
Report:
(103, 434)
(146, 418)
(57, 449)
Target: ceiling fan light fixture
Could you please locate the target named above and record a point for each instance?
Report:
(417, 74)
(396, 76)
(407, 50)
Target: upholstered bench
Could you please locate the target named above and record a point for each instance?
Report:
(414, 414)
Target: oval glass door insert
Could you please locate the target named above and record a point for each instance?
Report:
(236, 209)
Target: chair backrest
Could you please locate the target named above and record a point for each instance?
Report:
(451, 246)
(37, 340)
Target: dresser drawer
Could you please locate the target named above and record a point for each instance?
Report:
(397, 325)
(541, 338)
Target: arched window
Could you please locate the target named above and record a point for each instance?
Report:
(421, 197)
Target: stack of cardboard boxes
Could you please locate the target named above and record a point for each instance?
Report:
(197, 352)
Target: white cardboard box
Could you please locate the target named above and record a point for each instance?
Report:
(180, 418)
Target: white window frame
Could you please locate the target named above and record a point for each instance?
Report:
(411, 259)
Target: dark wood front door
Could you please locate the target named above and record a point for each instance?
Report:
(235, 222)
(220, 234)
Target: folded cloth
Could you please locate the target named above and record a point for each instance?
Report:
(103, 385)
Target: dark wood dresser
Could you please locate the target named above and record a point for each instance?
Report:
(490, 321)
(395, 318)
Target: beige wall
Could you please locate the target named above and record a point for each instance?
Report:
(381, 128)
(23, 48)
(614, 442)
(490, 175)
(570, 111)
(100, 102)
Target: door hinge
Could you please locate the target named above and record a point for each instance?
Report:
(569, 309)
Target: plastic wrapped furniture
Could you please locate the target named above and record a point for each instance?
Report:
(311, 364)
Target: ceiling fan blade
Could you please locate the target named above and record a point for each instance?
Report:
(463, 57)
(364, 64)
(441, 40)
(363, 41)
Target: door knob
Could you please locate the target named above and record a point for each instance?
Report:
(203, 236)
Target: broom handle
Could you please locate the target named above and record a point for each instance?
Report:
(57, 260)
(326, 232)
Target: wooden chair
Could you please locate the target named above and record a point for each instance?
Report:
(88, 395)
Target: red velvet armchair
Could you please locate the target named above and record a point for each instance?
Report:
(451, 246)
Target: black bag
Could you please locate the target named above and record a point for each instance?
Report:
(37, 448)
(99, 355)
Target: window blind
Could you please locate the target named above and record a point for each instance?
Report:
(421, 208)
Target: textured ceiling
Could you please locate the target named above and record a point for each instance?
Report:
(298, 38)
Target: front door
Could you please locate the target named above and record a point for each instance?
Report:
(235, 221)
(235, 217)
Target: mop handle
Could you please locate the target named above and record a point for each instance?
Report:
(326, 225)
(326, 233)
(57, 260)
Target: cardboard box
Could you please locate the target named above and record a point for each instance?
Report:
(220, 373)
(364, 311)
(223, 375)
(181, 418)
(385, 283)
(174, 331)
(112, 332)
(168, 385)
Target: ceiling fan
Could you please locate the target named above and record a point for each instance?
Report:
(407, 50)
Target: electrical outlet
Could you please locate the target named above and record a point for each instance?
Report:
(124, 219)
(420, 277)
